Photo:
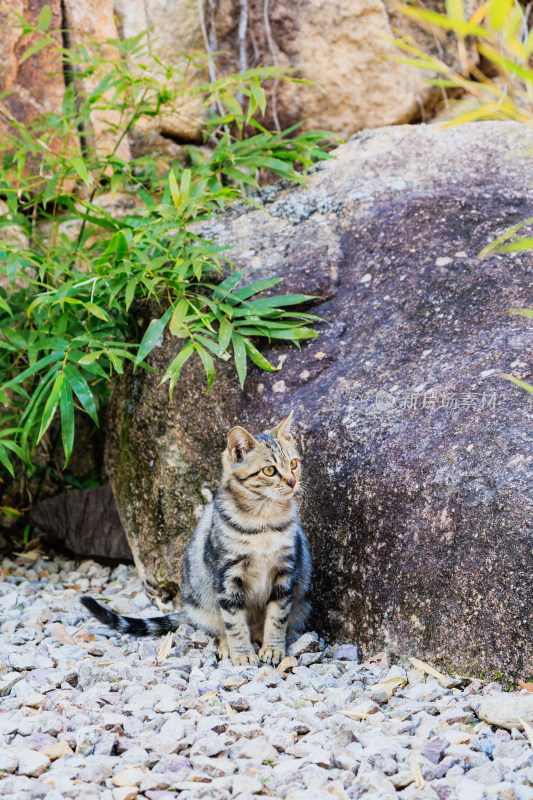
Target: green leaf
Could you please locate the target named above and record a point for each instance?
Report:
(209, 364)
(5, 306)
(50, 187)
(94, 309)
(224, 334)
(178, 315)
(45, 18)
(174, 370)
(130, 292)
(524, 312)
(255, 288)
(152, 335)
(82, 391)
(174, 191)
(51, 405)
(239, 353)
(4, 459)
(258, 358)
(455, 10)
(36, 367)
(35, 48)
(88, 358)
(66, 404)
(185, 185)
(79, 165)
(523, 385)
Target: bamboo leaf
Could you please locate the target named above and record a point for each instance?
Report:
(258, 358)
(5, 460)
(51, 405)
(174, 191)
(178, 315)
(152, 336)
(82, 391)
(209, 364)
(239, 353)
(96, 311)
(35, 48)
(174, 370)
(523, 385)
(66, 404)
(224, 334)
(81, 169)
(524, 312)
(45, 18)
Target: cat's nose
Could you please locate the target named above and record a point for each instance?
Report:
(291, 482)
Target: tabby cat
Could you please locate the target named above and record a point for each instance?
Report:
(247, 570)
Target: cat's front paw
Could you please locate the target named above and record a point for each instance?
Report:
(223, 650)
(271, 655)
(243, 659)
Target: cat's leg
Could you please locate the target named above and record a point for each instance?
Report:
(232, 604)
(277, 614)
(223, 647)
(240, 647)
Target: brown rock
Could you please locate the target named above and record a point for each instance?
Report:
(35, 86)
(176, 31)
(85, 521)
(88, 20)
(57, 750)
(418, 510)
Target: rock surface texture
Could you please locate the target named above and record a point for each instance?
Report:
(90, 714)
(416, 451)
(85, 521)
(348, 51)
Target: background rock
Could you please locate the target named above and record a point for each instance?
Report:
(419, 517)
(36, 85)
(83, 520)
(85, 21)
(348, 51)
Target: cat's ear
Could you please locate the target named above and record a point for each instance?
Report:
(283, 430)
(240, 442)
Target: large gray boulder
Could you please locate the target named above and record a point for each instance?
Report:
(417, 452)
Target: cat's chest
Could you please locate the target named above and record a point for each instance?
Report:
(267, 553)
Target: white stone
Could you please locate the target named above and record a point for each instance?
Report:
(31, 763)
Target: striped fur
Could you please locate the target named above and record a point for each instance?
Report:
(247, 571)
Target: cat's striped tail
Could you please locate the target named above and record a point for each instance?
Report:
(138, 627)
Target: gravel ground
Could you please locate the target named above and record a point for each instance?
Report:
(88, 713)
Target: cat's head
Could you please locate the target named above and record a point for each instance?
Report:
(264, 466)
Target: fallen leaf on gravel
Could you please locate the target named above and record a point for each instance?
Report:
(528, 729)
(57, 750)
(287, 664)
(60, 633)
(229, 711)
(527, 686)
(417, 774)
(359, 714)
(33, 555)
(379, 660)
(166, 647)
(208, 696)
(85, 636)
(444, 680)
(390, 685)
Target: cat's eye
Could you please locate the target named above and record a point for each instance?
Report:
(294, 463)
(269, 471)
